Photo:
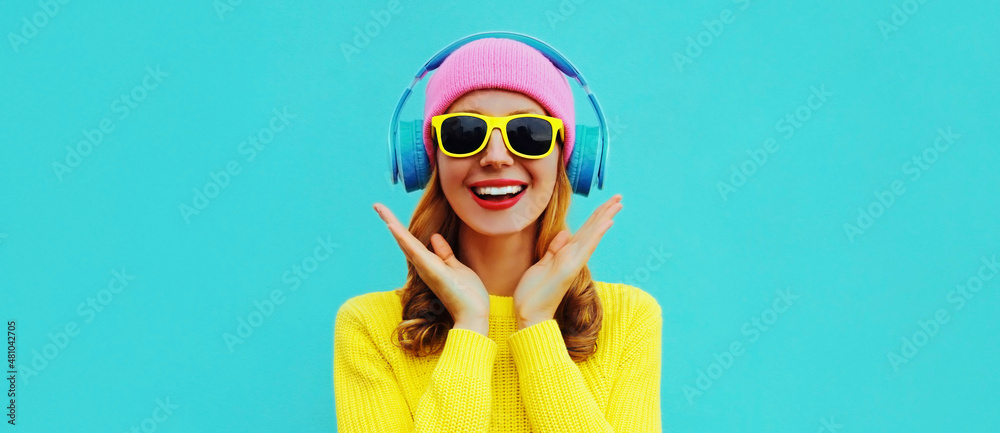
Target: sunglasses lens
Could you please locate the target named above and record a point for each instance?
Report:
(462, 134)
(530, 135)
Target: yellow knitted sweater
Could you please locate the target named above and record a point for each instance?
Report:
(512, 381)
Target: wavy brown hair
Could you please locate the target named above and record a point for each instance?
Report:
(425, 319)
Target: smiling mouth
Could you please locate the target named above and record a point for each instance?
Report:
(498, 197)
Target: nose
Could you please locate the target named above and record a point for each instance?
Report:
(496, 152)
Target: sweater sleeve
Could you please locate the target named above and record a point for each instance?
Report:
(634, 400)
(556, 395)
(368, 396)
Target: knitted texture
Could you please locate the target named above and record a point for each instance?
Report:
(511, 381)
(500, 63)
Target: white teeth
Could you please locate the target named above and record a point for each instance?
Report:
(498, 190)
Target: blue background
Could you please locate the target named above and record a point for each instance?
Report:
(682, 129)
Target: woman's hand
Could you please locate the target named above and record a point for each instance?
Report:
(456, 285)
(543, 285)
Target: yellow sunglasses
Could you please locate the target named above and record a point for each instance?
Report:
(527, 135)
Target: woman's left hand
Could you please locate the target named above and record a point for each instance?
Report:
(543, 285)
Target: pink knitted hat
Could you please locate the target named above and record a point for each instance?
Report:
(499, 63)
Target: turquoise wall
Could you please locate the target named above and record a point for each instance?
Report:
(810, 192)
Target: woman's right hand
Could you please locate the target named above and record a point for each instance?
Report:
(456, 285)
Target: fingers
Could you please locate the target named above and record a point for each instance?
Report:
(441, 248)
(559, 241)
(580, 246)
(599, 213)
(600, 216)
(411, 246)
(585, 240)
(592, 242)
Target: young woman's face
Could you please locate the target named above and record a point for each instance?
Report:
(497, 162)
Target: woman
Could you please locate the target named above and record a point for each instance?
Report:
(499, 326)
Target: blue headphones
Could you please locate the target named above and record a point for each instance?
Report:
(408, 158)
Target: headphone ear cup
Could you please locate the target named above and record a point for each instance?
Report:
(583, 161)
(415, 168)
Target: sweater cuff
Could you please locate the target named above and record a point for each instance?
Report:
(468, 352)
(538, 346)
